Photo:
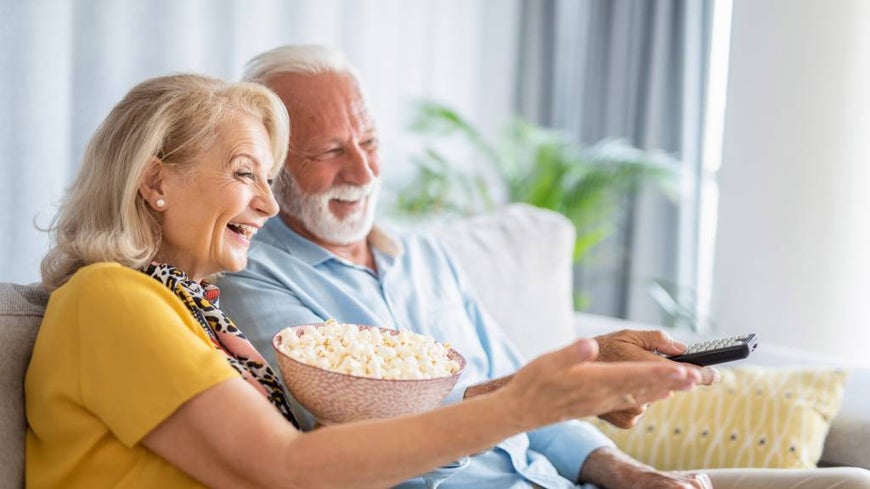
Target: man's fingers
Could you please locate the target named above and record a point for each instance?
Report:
(662, 342)
(644, 340)
(625, 418)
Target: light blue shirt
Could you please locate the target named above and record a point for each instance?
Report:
(290, 280)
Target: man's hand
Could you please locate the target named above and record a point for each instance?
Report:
(613, 469)
(634, 345)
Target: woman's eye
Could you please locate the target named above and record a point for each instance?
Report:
(245, 174)
(269, 181)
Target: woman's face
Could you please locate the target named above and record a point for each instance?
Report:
(217, 203)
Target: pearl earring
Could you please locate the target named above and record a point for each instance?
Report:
(160, 203)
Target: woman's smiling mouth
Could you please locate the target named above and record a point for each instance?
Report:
(247, 231)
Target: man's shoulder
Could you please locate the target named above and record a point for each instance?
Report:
(421, 244)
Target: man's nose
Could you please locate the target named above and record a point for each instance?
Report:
(357, 169)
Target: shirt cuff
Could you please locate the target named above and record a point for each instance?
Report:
(567, 445)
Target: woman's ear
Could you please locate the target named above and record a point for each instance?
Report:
(151, 186)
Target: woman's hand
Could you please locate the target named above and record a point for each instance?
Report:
(568, 383)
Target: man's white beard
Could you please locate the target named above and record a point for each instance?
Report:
(313, 210)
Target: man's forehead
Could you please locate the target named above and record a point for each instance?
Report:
(321, 90)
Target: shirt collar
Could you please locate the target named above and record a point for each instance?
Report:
(314, 254)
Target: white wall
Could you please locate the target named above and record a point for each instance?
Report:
(793, 248)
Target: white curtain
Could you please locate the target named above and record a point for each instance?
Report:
(65, 63)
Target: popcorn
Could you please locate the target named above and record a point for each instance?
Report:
(369, 352)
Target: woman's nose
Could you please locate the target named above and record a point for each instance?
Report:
(266, 203)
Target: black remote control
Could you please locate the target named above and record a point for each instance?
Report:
(718, 351)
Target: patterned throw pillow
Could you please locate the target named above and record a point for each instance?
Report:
(754, 417)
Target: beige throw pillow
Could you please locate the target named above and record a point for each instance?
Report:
(754, 417)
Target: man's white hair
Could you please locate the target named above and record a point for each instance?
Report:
(305, 58)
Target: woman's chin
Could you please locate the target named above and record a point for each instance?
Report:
(231, 269)
(234, 265)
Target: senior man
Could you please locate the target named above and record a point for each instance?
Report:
(322, 258)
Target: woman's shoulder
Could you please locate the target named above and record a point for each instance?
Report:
(108, 279)
(106, 272)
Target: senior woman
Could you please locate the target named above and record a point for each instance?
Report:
(139, 380)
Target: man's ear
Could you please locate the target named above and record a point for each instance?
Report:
(151, 186)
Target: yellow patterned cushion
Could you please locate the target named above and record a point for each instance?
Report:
(754, 417)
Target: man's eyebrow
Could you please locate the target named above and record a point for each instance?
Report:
(303, 150)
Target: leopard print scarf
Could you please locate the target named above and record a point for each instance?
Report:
(201, 299)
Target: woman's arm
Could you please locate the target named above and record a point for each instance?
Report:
(230, 436)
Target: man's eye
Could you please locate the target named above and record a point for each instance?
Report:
(269, 181)
(245, 174)
(330, 153)
(370, 143)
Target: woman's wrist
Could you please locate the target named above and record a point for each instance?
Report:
(511, 407)
(486, 387)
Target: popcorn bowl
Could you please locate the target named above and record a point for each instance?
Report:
(335, 397)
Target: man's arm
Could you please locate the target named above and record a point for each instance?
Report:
(610, 467)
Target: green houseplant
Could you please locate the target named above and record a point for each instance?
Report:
(461, 172)
(528, 163)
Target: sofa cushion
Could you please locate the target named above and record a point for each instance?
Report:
(847, 442)
(21, 309)
(518, 261)
(754, 417)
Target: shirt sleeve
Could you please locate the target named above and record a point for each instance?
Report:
(567, 445)
(143, 354)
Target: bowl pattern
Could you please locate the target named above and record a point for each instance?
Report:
(334, 397)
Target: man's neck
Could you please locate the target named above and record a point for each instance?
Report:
(358, 253)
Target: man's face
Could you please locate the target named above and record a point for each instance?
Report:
(333, 160)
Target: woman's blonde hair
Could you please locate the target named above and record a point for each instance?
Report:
(102, 216)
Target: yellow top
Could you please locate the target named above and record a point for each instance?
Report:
(116, 355)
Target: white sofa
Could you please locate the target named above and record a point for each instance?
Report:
(519, 259)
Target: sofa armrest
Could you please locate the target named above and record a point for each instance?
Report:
(21, 309)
